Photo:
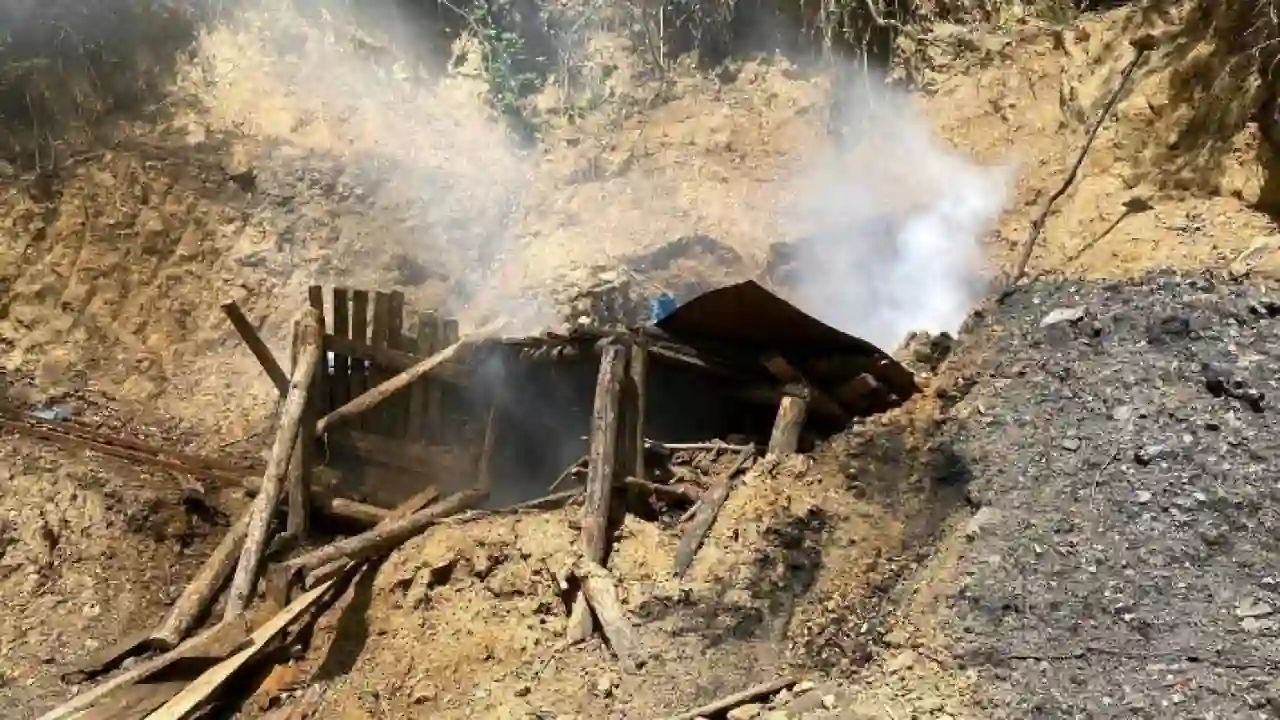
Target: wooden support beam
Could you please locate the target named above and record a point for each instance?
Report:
(256, 346)
(302, 459)
(637, 382)
(820, 401)
(376, 396)
(602, 471)
(246, 577)
(346, 510)
(785, 438)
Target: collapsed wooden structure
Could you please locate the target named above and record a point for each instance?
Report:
(432, 407)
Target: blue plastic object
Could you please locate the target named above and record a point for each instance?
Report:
(661, 306)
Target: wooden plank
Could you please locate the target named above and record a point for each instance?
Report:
(398, 407)
(360, 336)
(412, 457)
(256, 346)
(602, 470)
(379, 419)
(340, 389)
(420, 392)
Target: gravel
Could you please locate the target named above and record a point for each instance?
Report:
(1122, 444)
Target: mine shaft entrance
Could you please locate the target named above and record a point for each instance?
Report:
(514, 413)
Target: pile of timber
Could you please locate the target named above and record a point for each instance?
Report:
(253, 623)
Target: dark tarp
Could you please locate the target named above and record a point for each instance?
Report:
(749, 317)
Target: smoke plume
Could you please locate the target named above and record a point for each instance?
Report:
(892, 224)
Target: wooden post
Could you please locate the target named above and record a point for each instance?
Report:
(256, 346)
(379, 394)
(264, 505)
(298, 486)
(601, 472)
(792, 410)
(198, 597)
(638, 375)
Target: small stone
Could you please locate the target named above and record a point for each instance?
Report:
(744, 712)
(829, 702)
(985, 516)
(605, 685)
(902, 661)
(1062, 315)
(1142, 497)
(1150, 454)
(524, 690)
(1072, 444)
(803, 686)
(1251, 608)
(1257, 625)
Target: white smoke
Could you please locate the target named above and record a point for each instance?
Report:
(892, 221)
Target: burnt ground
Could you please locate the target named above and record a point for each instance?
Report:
(1126, 559)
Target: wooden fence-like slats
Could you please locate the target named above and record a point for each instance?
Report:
(340, 388)
(397, 411)
(378, 375)
(359, 334)
(419, 395)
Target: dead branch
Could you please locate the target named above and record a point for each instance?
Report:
(256, 346)
(569, 472)
(388, 535)
(713, 445)
(379, 394)
(601, 473)
(264, 505)
(1037, 226)
(199, 595)
(601, 593)
(730, 702)
(708, 509)
(671, 492)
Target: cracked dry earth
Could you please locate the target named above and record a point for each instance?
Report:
(1122, 443)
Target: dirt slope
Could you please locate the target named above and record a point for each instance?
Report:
(110, 292)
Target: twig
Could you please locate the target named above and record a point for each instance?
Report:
(568, 473)
(1037, 226)
(736, 699)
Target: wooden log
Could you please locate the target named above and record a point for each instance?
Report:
(242, 585)
(344, 509)
(708, 508)
(387, 536)
(376, 396)
(197, 693)
(359, 368)
(601, 593)
(218, 641)
(671, 492)
(201, 592)
(729, 702)
(601, 474)
(256, 346)
(637, 380)
(340, 387)
(484, 466)
(420, 395)
(792, 410)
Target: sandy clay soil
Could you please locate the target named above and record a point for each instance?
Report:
(1075, 519)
